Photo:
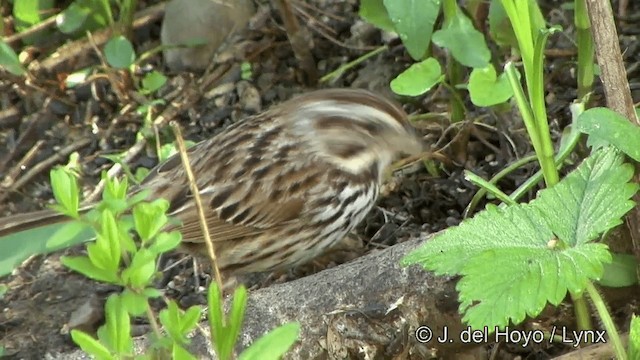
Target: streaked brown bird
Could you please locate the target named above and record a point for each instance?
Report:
(280, 187)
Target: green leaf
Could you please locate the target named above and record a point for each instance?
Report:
(466, 44)
(634, 338)
(190, 319)
(153, 81)
(544, 248)
(117, 328)
(90, 345)
(85, 15)
(65, 190)
(29, 13)
(414, 21)
(178, 352)
(274, 344)
(16, 247)
(418, 78)
(119, 52)
(142, 269)
(84, 266)
(9, 60)
(606, 126)
(72, 18)
(135, 304)
(486, 89)
(149, 218)
(621, 272)
(374, 12)
(165, 242)
(500, 27)
(170, 320)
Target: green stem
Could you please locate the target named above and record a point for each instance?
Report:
(335, 74)
(585, 49)
(487, 186)
(494, 180)
(607, 321)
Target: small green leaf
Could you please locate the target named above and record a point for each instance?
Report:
(65, 190)
(190, 319)
(274, 344)
(84, 266)
(374, 12)
(65, 236)
(606, 126)
(119, 52)
(72, 18)
(90, 345)
(149, 218)
(621, 272)
(153, 81)
(135, 304)
(165, 242)
(142, 269)
(466, 44)
(486, 89)
(418, 78)
(414, 21)
(9, 60)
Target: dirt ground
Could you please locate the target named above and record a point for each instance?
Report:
(49, 120)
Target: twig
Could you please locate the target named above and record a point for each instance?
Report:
(41, 26)
(26, 159)
(196, 196)
(44, 165)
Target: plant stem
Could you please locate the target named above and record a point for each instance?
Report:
(607, 321)
(585, 49)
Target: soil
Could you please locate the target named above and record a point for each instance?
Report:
(42, 294)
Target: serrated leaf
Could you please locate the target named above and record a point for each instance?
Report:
(467, 45)
(487, 89)
(590, 200)
(119, 52)
(543, 248)
(374, 12)
(535, 277)
(418, 78)
(606, 126)
(414, 21)
(9, 60)
(274, 344)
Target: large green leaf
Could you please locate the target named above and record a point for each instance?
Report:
(544, 248)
